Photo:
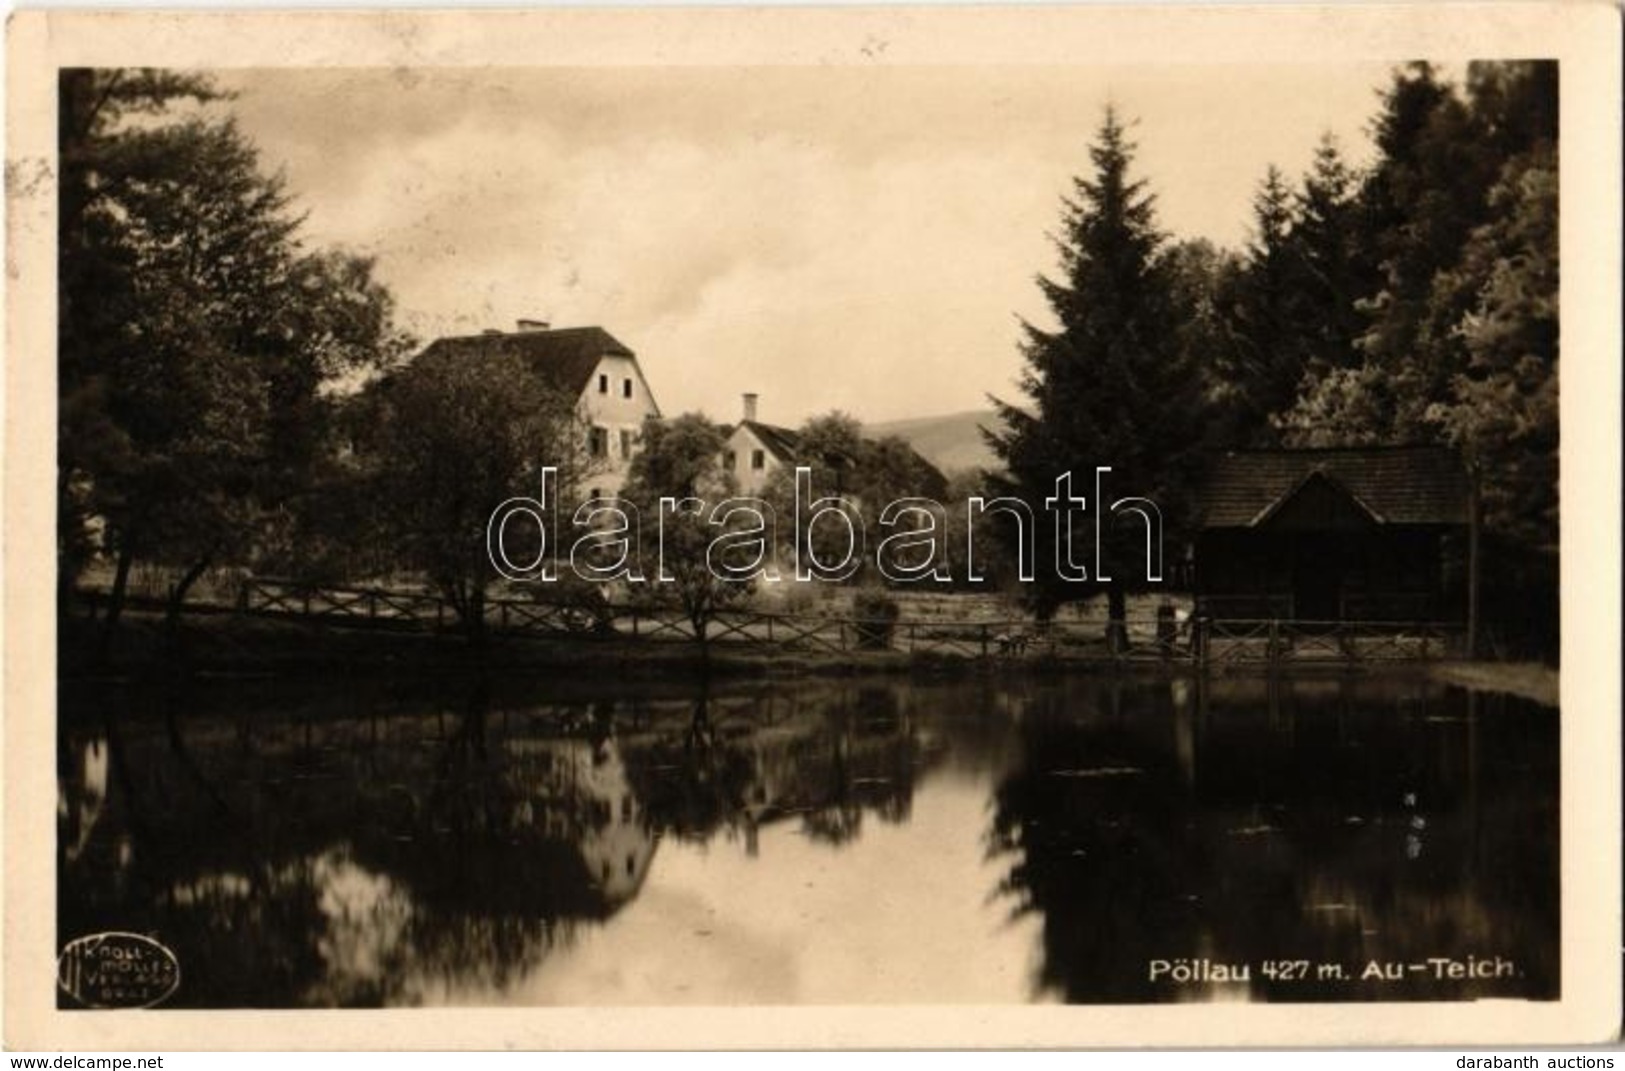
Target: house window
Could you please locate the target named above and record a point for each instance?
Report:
(598, 442)
(731, 459)
(758, 460)
(626, 388)
(603, 383)
(626, 442)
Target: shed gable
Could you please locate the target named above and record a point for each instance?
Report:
(1319, 503)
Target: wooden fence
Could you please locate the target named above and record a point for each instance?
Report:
(1141, 639)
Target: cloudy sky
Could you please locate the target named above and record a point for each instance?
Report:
(830, 237)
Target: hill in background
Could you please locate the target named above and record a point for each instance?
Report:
(953, 442)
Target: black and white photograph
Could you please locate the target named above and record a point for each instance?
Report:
(855, 532)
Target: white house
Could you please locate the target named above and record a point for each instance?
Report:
(588, 362)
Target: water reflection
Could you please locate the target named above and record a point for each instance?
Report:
(522, 841)
(1333, 823)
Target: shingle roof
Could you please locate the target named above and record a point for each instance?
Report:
(564, 358)
(1395, 484)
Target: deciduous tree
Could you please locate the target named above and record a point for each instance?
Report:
(681, 459)
(196, 333)
(450, 439)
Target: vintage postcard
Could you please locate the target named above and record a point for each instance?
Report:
(813, 527)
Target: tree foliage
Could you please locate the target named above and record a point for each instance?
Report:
(1441, 155)
(1460, 338)
(1501, 403)
(196, 333)
(445, 440)
(682, 459)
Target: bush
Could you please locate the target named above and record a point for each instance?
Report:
(876, 614)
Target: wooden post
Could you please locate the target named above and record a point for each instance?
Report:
(982, 628)
(1275, 632)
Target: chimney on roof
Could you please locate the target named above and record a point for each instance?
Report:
(750, 406)
(533, 325)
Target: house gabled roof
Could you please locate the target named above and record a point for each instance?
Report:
(784, 444)
(564, 358)
(780, 442)
(1393, 484)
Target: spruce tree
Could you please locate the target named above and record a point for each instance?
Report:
(1108, 385)
(1329, 274)
(1267, 350)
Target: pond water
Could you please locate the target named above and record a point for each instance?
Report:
(523, 841)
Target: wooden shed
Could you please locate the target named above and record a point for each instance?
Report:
(1374, 534)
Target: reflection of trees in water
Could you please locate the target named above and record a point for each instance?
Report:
(352, 862)
(1336, 824)
(492, 863)
(1093, 823)
(865, 760)
(387, 849)
(391, 852)
(694, 773)
(842, 752)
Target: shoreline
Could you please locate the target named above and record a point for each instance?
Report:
(1535, 681)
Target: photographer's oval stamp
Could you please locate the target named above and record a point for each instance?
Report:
(117, 970)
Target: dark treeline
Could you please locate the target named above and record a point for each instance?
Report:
(231, 398)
